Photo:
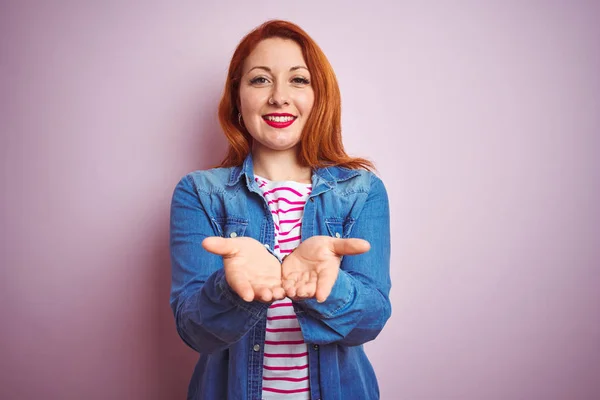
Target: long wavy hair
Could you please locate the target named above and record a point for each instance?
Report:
(321, 140)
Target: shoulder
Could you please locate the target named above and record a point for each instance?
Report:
(208, 181)
(357, 180)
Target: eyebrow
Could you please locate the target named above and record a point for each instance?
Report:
(297, 67)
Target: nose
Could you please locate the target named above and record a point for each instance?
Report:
(279, 96)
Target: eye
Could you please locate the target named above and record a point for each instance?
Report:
(259, 80)
(301, 80)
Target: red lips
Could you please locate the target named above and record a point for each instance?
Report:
(276, 124)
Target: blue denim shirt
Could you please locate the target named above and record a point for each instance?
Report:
(228, 332)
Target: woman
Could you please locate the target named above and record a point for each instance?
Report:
(260, 287)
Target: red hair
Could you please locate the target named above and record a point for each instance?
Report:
(321, 140)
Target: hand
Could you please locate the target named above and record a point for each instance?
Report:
(251, 271)
(312, 268)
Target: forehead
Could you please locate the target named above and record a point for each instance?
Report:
(275, 53)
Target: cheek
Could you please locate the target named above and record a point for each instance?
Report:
(250, 101)
(305, 102)
(245, 104)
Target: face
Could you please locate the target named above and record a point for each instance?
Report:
(276, 95)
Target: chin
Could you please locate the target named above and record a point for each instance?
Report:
(283, 147)
(281, 143)
(280, 146)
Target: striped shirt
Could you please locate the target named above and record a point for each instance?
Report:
(285, 369)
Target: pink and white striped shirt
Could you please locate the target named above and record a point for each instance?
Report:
(285, 369)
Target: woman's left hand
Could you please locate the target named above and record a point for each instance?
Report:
(312, 268)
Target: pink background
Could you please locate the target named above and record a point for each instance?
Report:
(484, 122)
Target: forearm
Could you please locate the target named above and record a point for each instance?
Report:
(353, 314)
(212, 316)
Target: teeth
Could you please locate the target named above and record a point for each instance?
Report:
(279, 119)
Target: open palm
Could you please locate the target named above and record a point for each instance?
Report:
(312, 268)
(251, 271)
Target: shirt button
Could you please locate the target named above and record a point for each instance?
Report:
(256, 347)
(233, 235)
(316, 346)
(312, 199)
(337, 235)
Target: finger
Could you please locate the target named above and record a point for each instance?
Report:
(305, 277)
(264, 294)
(313, 277)
(301, 279)
(307, 290)
(289, 281)
(242, 287)
(301, 292)
(278, 293)
(220, 246)
(300, 284)
(290, 288)
(305, 287)
(288, 284)
(325, 282)
(350, 246)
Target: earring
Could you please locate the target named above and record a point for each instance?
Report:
(240, 120)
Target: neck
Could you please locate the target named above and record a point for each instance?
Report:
(279, 165)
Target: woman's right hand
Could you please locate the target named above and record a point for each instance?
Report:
(250, 270)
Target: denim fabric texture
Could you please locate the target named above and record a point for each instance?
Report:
(229, 332)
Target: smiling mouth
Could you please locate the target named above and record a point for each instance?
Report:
(279, 118)
(279, 121)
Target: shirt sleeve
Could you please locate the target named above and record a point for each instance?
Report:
(209, 315)
(359, 306)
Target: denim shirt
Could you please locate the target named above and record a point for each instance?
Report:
(229, 332)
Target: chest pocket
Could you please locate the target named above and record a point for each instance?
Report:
(230, 227)
(338, 227)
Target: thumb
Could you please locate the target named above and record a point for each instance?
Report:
(220, 246)
(343, 247)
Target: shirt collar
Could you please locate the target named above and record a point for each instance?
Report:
(328, 175)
